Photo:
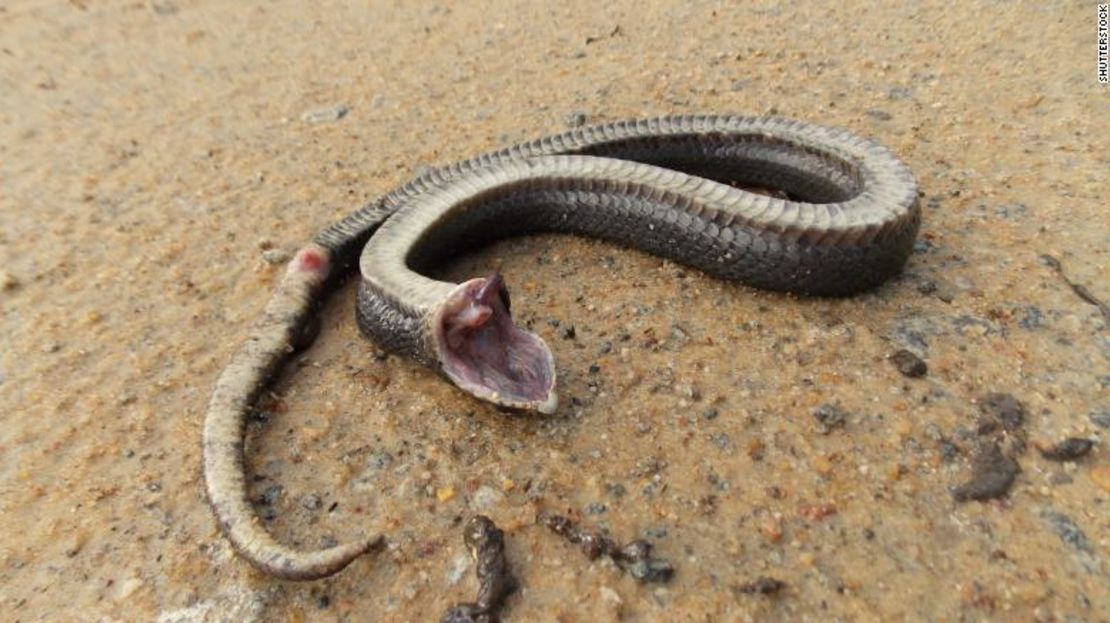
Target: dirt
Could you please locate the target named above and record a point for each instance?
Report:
(159, 160)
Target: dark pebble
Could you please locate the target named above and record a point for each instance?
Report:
(992, 474)
(323, 601)
(568, 333)
(909, 364)
(880, 115)
(634, 558)
(576, 119)
(710, 414)
(594, 368)
(1068, 449)
(1101, 418)
(1005, 408)
(762, 586)
(271, 495)
(829, 417)
(595, 508)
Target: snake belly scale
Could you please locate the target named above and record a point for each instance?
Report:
(677, 187)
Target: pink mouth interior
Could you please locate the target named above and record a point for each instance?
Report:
(486, 354)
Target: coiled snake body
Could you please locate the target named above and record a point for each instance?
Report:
(672, 186)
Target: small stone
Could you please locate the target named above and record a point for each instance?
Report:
(569, 333)
(1069, 449)
(275, 256)
(909, 364)
(311, 502)
(164, 7)
(576, 119)
(1009, 411)
(271, 495)
(762, 586)
(817, 512)
(332, 113)
(445, 494)
(992, 475)
(76, 541)
(829, 417)
(8, 281)
(595, 508)
(610, 595)
(880, 115)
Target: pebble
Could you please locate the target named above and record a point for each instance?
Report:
(1067, 450)
(1009, 411)
(829, 417)
(992, 474)
(762, 586)
(909, 364)
(311, 502)
(275, 256)
(8, 281)
(1101, 418)
(332, 113)
(576, 119)
(271, 495)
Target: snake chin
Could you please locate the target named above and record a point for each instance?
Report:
(489, 357)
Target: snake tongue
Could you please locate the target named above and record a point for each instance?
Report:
(488, 356)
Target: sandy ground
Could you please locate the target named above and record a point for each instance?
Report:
(155, 155)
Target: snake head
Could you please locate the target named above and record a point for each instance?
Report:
(486, 355)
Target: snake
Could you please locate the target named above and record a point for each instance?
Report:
(773, 203)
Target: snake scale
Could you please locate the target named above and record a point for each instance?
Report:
(842, 218)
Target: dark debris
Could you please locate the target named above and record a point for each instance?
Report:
(1007, 410)
(761, 586)
(634, 558)
(829, 417)
(909, 364)
(1080, 290)
(1069, 449)
(992, 474)
(487, 546)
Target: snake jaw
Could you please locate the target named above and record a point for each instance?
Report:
(483, 352)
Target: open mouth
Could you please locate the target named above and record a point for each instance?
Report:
(485, 354)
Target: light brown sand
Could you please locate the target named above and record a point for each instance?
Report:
(151, 151)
